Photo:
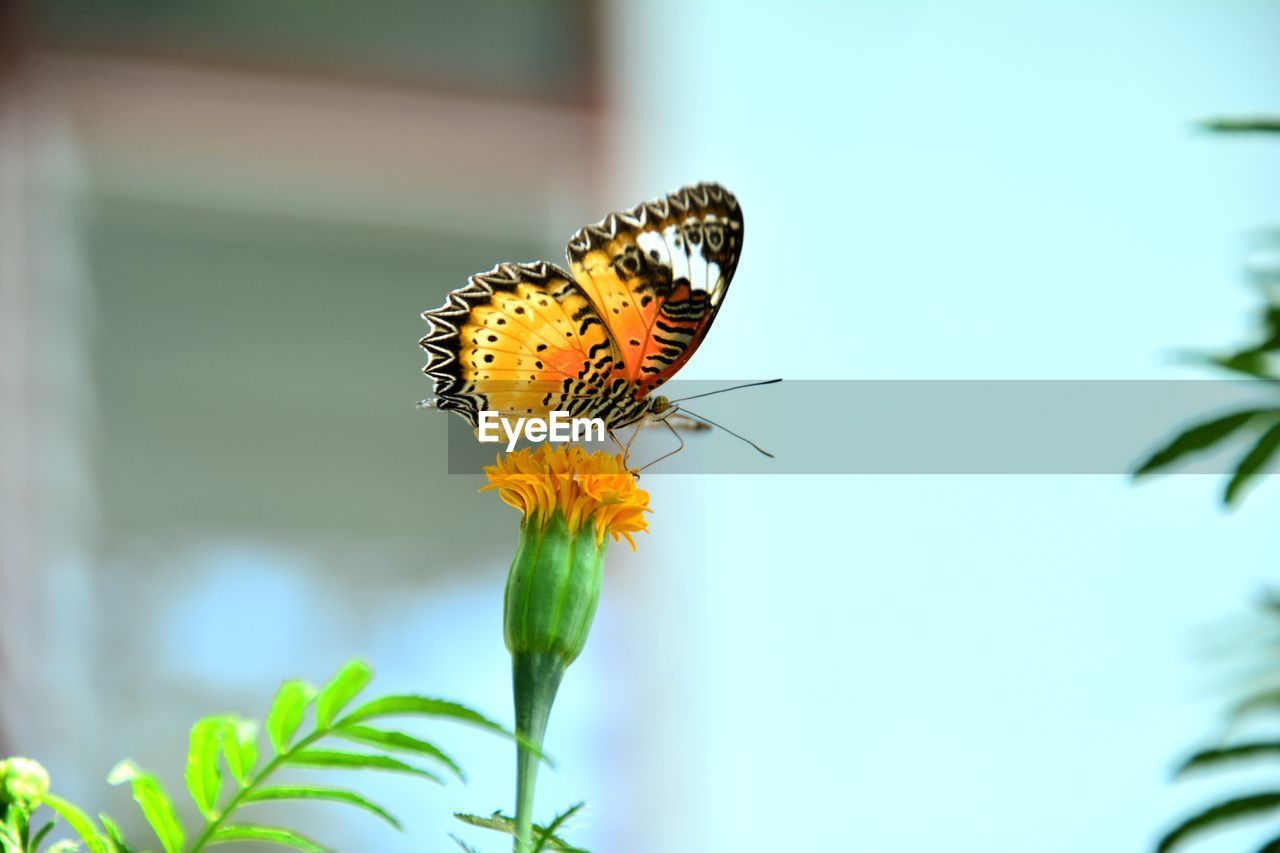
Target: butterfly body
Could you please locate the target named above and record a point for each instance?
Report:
(642, 291)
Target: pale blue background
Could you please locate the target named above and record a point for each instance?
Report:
(969, 190)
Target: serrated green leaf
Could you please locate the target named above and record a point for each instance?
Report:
(203, 774)
(399, 742)
(240, 745)
(268, 834)
(154, 802)
(1217, 816)
(543, 836)
(420, 706)
(114, 833)
(354, 676)
(1198, 438)
(1229, 755)
(356, 761)
(1253, 463)
(79, 822)
(424, 706)
(287, 711)
(501, 823)
(39, 837)
(308, 792)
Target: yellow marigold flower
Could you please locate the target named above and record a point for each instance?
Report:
(586, 488)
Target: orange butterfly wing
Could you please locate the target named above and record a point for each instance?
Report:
(529, 339)
(521, 339)
(657, 275)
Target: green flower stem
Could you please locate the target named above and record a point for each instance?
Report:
(552, 593)
(536, 679)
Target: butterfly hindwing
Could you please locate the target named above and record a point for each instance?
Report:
(657, 275)
(520, 339)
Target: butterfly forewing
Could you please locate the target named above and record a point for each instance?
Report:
(658, 273)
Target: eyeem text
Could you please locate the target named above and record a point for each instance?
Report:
(560, 427)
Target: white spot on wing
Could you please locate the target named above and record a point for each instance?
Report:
(650, 241)
(717, 282)
(698, 273)
(679, 260)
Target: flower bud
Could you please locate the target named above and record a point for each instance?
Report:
(22, 781)
(553, 589)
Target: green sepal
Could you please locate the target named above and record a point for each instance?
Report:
(553, 589)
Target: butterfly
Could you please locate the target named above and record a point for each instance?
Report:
(641, 293)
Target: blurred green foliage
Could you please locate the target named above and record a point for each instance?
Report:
(1259, 361)
(226, 773)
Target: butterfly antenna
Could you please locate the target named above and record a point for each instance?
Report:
(726, 429)
(730, 388)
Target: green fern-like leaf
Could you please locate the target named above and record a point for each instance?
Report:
(267, 834)
(499, 822)
(354, 676)
(1249, 124)
(234, 740)
(295, 746)
(336, 760)
(1198, 438)
(398, 742)
(1210, 758)
(544, 836)
(156, 806)
(287, 712)
(423, 706)
(204, 774)
(311, 792)
(240, 745)
(114, 834)
(79, 822)
(1261, 702)
(40, 836)
(1254, 462)
(1218, 816)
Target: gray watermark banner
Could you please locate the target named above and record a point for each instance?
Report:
(923, 427)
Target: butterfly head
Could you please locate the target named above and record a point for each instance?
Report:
(659, 405)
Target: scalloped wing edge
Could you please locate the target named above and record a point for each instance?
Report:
(447, 322)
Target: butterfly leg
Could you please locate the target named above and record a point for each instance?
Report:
(634, 432)
(623, 449)
(669, 453)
